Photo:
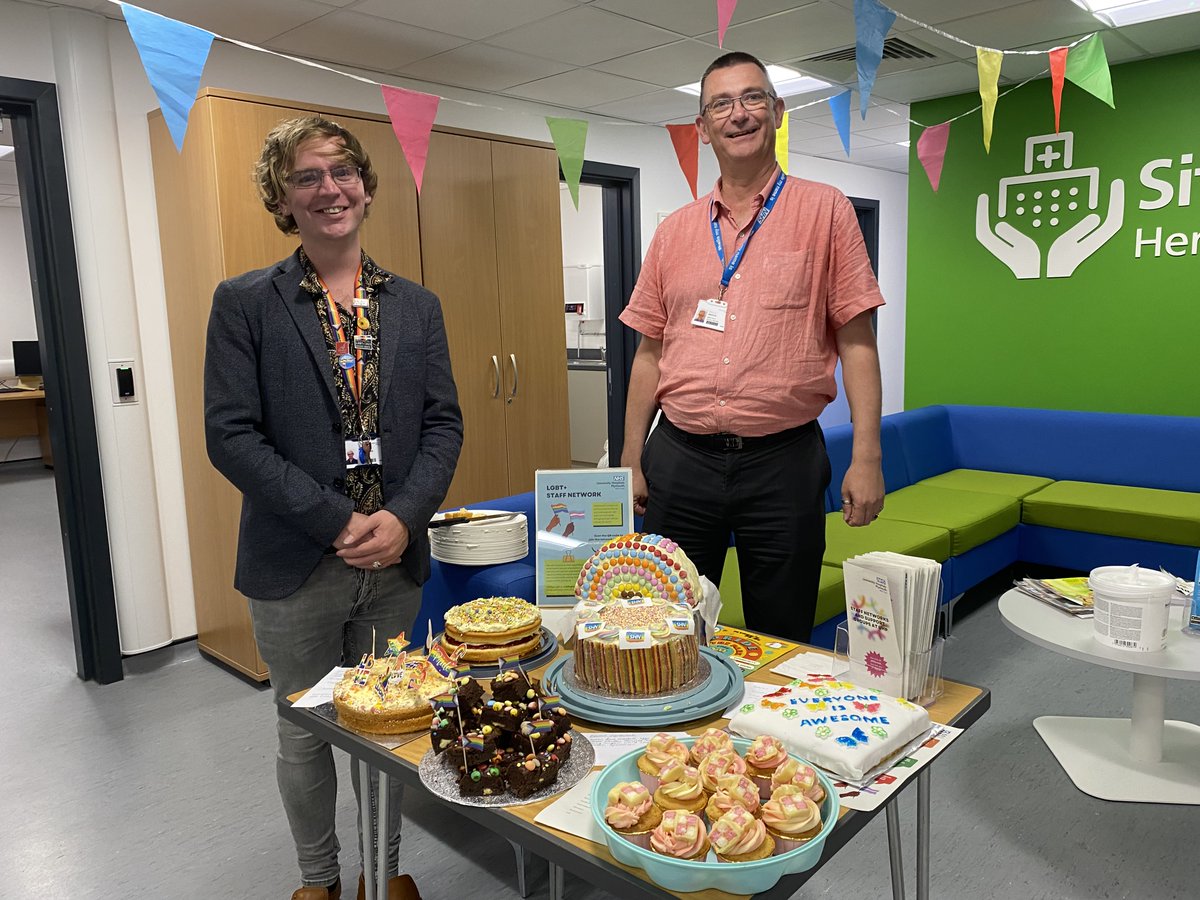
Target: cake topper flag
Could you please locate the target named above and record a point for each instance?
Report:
(412, 114)
(872, 21)
(569, 137)
(686, 141)
(781, 144)
(173, 55)
(1087, 66)
(725, 10)
(988, 62)
(839, 106)
(931, 151)
(1058, 68)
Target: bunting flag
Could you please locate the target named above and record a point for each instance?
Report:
(686, 141)
(989, 77)
(173, 55)
(931, 151)
(781, 144)
(725, 10)
(412, 114)
(1087, 66)
(569, 136)
(1058, 67)
(872, 22)
(839, 106)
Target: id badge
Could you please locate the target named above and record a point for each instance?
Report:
(365, 452)
(710, 314)
(361, 301)
(364, 342)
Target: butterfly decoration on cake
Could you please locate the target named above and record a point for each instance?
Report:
(854, 739)
(866, 707)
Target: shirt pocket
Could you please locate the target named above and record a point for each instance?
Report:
(791, 315)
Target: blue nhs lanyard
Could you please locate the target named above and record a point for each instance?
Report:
(736, 259)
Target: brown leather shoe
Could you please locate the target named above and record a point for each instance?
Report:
(400, 887)
(333, 892)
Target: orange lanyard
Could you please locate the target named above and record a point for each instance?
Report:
(352, 372)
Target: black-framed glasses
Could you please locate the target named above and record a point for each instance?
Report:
(307, 179)
(722, 107)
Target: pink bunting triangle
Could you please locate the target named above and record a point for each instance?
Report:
(1058, 68)
(686, 140)
(931, 151)
(725, 10)
(412, 114)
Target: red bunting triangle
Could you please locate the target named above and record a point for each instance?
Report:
(1058, 68)
(412, 114)
(931, 151)
(687, 148)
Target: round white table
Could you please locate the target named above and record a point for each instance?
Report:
(1144, 758)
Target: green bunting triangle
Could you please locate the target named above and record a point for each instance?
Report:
(569, 136)
(1087, 66)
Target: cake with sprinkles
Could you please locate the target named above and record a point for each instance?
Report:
(491, 628)
(636, 630)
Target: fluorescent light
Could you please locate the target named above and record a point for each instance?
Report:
(787, 82)
(902, 143)
(1130, 12)
(5, 151)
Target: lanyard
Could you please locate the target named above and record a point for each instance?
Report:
(736, 259)
(352, 374)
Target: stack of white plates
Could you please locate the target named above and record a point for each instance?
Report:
(481, 543)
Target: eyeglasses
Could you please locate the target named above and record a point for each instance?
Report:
(722, 108)
(308, 179)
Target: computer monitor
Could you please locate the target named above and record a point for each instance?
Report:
(27, 362)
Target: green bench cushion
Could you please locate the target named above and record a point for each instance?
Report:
(971, 517)
(913, 539)
(831, 598)
(1006, 483)
(1147, 514)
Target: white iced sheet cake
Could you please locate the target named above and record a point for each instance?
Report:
(839, 726)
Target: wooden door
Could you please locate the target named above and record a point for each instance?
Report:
(529, 260)
(458, 257)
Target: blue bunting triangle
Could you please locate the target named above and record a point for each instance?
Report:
(839, 106)
(872, 21)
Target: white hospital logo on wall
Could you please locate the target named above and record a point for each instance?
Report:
(1051, 201)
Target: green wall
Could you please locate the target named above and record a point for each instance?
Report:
(1119, 334)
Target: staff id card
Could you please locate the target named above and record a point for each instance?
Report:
(710, 314)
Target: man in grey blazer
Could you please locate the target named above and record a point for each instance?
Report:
(313, 365)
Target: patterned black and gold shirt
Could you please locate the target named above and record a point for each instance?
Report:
(360, 418)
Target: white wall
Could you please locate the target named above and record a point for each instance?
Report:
(16, 299)
(156, 528)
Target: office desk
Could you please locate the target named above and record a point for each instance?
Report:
(961, 706)
(23, 414)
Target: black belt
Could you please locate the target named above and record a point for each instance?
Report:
(724, 442)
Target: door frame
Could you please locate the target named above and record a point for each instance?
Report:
(32, 108)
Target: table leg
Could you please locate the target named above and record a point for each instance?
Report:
(923, 787)
(556, 882)
(1149, 714)
(892, 812)
(368, 827)
(522, 888)
(382, 837)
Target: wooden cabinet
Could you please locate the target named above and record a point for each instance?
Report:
(491, 249)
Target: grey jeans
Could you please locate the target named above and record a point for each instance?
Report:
(327, 622)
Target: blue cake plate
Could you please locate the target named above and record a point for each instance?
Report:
(723, 686)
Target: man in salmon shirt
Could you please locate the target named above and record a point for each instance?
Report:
(746, 301)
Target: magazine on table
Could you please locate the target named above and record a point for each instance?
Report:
(1069, 595)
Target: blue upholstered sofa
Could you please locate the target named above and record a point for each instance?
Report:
(976, 488)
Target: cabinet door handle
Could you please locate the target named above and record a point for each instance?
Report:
(512, 357)
(496, 369)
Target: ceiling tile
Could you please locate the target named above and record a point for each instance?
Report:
(805, 31)
(582, 36)
(251, 22)
(1164, 36)
(581, 89)
(893, 134)
(800, 130)
(1016, 26)
(874, 154)
(669, 66)
(482, 68)
(940, 81)
(475, 19)
(654, 108)
(690, 17)
(933, 12)
(829, 144)
(355, 39)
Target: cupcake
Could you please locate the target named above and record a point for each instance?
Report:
(791, 819)
(631, 813)
(679, 788)
(722, 762)
(712, 740)
(797, 773)
(732, 790)
(680, 835)
(739, 837)
(660, 753)
(764, 756)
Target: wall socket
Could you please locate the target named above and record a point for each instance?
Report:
(121, 379)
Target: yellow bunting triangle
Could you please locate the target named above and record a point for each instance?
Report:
(989, 77)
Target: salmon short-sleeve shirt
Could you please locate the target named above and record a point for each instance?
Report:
(805, 274)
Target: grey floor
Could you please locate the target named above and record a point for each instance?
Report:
(163, 786)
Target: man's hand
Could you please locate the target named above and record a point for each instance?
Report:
(382, 545)
(355, 530)
(862, 493)
(641, 491)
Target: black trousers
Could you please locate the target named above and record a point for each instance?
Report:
(770, 494)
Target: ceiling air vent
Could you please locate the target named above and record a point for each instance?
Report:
(893, 48)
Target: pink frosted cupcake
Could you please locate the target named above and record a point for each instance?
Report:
(660, 753)
(631, 813)
(732, 790)
(764, 756)
(797, 773)
(680, 835)
(722, 762)
(711, 741)
(792, 819)
(680, 789)
(739, 837)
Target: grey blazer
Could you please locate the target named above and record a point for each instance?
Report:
(273, 428)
